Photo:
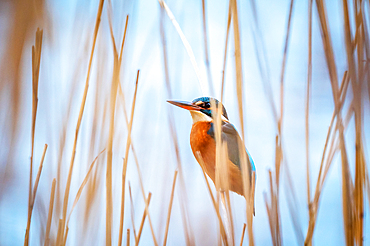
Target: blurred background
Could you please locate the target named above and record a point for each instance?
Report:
(67, 41)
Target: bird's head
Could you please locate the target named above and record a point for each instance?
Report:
(201, 108)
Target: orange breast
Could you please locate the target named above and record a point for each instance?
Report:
(205, 145)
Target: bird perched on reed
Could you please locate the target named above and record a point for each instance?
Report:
(203, 144)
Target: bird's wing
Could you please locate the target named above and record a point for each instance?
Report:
(233, 140)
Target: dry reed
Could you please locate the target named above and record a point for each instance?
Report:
(34, 194)
(113, 96)
(182, 188)
(147, 201)
(185, 43)
(82, 107)
(206, 55)
(115, 82)
(50, 214)
(79, 192)
(38, 175)
(128, 237)
(225, 52)
(308, 95)
(243, 232)
(170, 209)
(239, 92)
(36, 59)
(128, 142)
(132, 211)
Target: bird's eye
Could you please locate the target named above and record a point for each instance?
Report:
(207, 105)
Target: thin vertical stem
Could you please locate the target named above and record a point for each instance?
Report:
(209, 75)
(184, 213)
(38, 175)
(36, 58)
(128, 237)
(169, 209)
(238, 65)
(308, 94)
(282, 74)
(79, 192)
(60, 231)
(132, 211)
(147, 201)
(82, 107)
(34, 194)
(243, 232)
(50, 214)
(185, 43)
(124, 170)
(225, 52)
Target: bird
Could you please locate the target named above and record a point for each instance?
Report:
(203, 143)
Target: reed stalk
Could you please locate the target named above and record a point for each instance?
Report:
(243, 232)
(206, 55)
(147, 201)
(79, 192)
(182, 187)
(82, 107)
(124, 170)
(170, 209)
(36, 59)
(308, 95)
(132, 211)
(50, 214)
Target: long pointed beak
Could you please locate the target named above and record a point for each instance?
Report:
(185, 105)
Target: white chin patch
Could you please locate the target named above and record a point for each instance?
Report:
(199, 116)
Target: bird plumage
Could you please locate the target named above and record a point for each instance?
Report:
(203, 144)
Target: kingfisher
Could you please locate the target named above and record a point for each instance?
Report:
(203, 144)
